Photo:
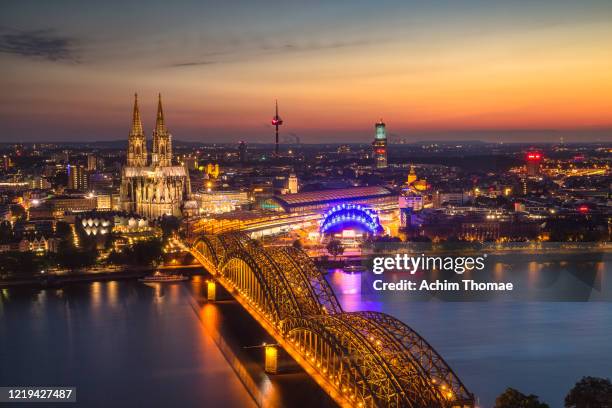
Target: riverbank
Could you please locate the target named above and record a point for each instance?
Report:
(66, 277)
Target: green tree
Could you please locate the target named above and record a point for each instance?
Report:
(512, 398)
(590, 392)
(335, 248)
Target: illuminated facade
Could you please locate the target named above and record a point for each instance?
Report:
(411, 199)
(155, 189)
(292, 184)
(212, 170)
(380, 146)
(350, 216)
(77, 177)
(218, 202)
(534, 162)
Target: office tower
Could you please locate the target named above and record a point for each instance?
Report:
(534, 162)
(77, 177)
(380, 146)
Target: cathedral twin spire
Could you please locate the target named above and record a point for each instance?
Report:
(137, 142)
(161, 154)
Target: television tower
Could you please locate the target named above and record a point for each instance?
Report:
(276, 121)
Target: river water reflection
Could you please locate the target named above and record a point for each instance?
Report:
(539, 341)
(120, 343)
(128, 344)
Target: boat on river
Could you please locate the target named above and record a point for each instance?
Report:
(159, 277)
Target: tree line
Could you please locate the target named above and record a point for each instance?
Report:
(588, 392)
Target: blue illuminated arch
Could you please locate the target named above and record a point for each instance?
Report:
(350, 214)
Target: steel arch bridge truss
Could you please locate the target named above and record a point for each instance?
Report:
(362, 359)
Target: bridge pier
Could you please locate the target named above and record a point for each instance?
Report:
(211, 291)
(271, 358)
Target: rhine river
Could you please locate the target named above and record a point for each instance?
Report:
(554, 329)
(123, 343)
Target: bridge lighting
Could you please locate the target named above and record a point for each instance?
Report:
(211, 289)
(346, 387)
(271, 358)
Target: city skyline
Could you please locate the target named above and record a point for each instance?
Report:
(516, 72)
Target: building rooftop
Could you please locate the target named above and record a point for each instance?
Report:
(315, 197)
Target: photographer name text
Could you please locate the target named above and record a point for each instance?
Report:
(423, 263)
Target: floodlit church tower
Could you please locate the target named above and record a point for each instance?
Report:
(412, 177)
(162, 140)
(137, 142)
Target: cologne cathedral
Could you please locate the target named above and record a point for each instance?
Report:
(152, 188)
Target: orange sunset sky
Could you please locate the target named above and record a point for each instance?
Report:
(504, 71)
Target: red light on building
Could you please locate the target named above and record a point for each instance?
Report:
(380, 151)
(534, 156)
(583, 209)
(277, 121)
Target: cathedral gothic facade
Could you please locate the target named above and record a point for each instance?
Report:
(152, 188)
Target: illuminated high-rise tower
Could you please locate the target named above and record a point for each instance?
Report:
(161, 154)
(380, 145)
(137, 143)
(534, 163)
(276, 121)
(77, 177)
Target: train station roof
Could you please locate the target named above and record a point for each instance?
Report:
(329, 196)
